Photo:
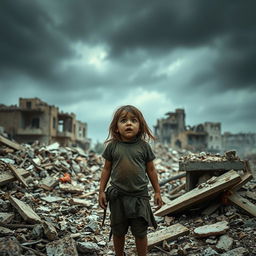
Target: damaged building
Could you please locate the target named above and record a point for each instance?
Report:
(244, 143)
(34, 120)
(173, 131)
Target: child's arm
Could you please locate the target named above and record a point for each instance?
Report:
(151, 171)
(103, 183)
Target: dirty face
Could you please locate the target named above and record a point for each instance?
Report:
(128, 126)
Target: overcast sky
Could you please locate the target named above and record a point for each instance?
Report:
(92, 56)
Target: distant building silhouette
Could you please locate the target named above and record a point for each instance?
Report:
(34, 120)
(202, 137)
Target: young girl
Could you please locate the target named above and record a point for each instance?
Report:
(129, 163)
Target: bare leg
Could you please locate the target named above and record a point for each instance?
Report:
(119, 245)
(141, 245)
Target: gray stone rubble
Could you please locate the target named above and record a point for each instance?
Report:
(52, 218)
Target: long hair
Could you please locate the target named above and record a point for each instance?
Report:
(144, 131)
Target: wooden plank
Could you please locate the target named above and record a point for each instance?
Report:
(243, 203)
(245, 178)
(201, 193)
(17, 175)
(24, 210)
(10, 144)
(169, 233)
(211, 166)
(7, 176)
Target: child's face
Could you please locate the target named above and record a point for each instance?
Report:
(128, 126)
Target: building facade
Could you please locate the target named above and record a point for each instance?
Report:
(167, 128)
(243, 143)
(35, 120)
(202, 137)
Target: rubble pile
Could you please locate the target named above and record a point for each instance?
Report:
(49, 206)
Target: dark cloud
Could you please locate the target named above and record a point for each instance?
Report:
(199, 55)
(30, 43)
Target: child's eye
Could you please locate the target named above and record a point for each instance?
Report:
(122, 120)
(134, 120)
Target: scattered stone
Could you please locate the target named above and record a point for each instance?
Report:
(218, 228)
(209, 252)
(225, 243)
(50, 231)
(87, 247)
(62, 247)
(25, 210)
(240, 251)
(10, 246)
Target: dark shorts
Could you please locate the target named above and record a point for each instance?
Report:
(138, 227)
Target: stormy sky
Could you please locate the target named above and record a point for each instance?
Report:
(92, 56)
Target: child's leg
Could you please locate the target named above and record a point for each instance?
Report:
(119, 245)
(141, 245)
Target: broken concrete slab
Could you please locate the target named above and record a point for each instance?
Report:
(211, 165)
(201, 193)
(88, 247)
(215, 229)
(25, 210)
(48, 183)
(225, 243)
(169, 233)
(63, 247)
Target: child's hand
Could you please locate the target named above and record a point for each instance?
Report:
(158, 200)
(102, 200)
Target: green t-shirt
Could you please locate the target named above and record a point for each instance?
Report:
(129, 161)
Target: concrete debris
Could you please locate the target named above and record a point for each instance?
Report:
(215, 229)
(225, 243)
(42, 215)
(240, 251)
(62, 247)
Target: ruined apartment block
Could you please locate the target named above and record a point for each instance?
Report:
(244, 143)
(167, 128)
(173, 131)
(35, 120)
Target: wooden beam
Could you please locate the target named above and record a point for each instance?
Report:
(243, 203)
(24, 210)
(17, 175)
(169, 233)
(10, 144)
(201, 193)
(6, 176)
